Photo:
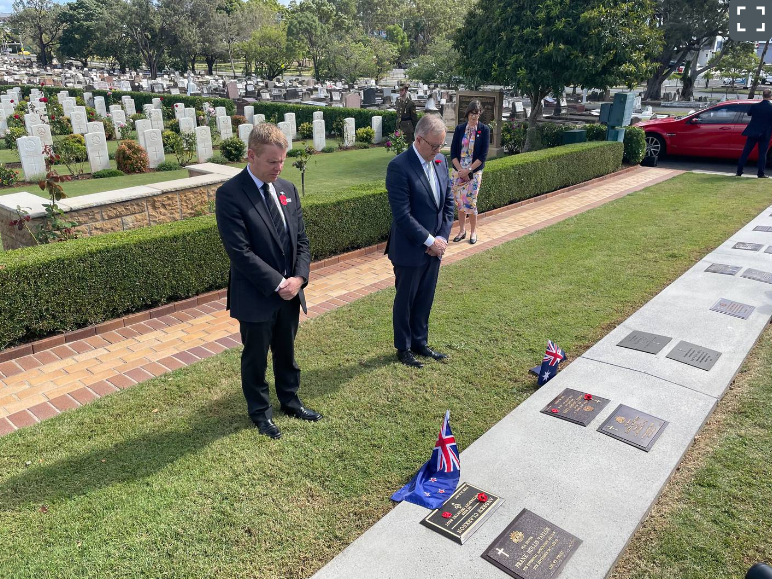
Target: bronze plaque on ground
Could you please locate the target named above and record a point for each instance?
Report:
(463, 513)
(575, 406)
(532, 548)
(723, 268)
(694, 355)
(757, 275)
(644, 342)
(748, 246)
(765, 228)
(634, 427)
(734, 309)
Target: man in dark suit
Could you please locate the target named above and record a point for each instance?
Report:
(422, 214)
(758, 133)
(261, 226)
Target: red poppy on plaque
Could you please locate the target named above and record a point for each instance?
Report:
(482, 497)
(446, 515)
(588, 396)
(283, 199)
(554, 410)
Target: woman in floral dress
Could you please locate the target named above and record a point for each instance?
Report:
(467, 154)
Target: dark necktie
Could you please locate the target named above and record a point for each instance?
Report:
(278, 223)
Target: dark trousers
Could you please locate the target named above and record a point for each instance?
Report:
(278, 333)
(763, 143)
(413, 303)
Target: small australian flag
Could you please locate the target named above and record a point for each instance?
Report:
(553, 356)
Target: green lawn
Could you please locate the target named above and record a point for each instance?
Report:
(168, 479)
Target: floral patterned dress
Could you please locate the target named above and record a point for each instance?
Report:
(465, 192)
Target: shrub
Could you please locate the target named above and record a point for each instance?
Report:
(109, 128)
(219, 159)
(15, 121)
(131, 158)
(365, 135)
(306, 130)
(72, 153)
(173, 125)
(296, 152)
(168, 166)
(79, 139)
(169, 139)
(305, 114)
(635, 145)
(513, 136)
(137, 117)
(552, 134)
(8, 176)
(337, 127)
(105, 173)
(596, 132)
(185, 147)
(237, 120)
(11, 135)
(328, 149)
(111, 155)
(233, 149)
(361, 146)
(61, 125)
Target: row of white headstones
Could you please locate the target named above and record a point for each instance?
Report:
(149, 131)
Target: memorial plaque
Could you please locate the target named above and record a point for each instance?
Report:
(724, 269)
(532, 548)
(757, 275)
(768, 249)
(748, 246)
(694, 355)
(765, 228)
(644, 342)
(575, 406)
(463, 513)
(730, 308)
(636, 428)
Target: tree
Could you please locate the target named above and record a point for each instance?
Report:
(439, 65)
(39, 21)
(686, 25)
(385, 56)
(556, 44)
(80, 38)
(429, 20)
(349, 60)
(149, 24)
(115, 42)
(398, 38)
(269, 50)
(757, 75)
(309, 24)
(739, 61)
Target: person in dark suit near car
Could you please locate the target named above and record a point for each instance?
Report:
(421, 203)
(758, 133)
(261, 226)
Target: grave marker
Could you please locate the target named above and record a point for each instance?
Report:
(96, 147)
(154, 146)
(633, 427)
(31, 154)
(203, 144)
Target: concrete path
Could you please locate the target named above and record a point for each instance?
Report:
(43, 379)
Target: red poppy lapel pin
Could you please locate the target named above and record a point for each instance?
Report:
(437, 161)
(283, 199)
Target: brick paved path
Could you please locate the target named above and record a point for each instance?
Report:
(40, 380)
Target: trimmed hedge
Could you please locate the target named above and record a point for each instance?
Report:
(63, 286)
(305, 114)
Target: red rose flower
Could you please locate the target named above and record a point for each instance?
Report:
(14, 222)
(26, 217)
(283, 199)
(53, 118)
(482, 497)
(16, 117)
(554, 410)
(588, 396)
(446, 515)
(44, 100)
(11, 100)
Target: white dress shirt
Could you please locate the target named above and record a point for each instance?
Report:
(275, 199)
(435, 183)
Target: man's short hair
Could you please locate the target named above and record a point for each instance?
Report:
(404, 86)
(767, 93)
(266, 134)
(430, 125)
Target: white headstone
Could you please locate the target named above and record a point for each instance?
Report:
(318, 116)
(31, 154)
(320, 140)
(114, 108)
(290, 118)
(79, 121)
(99, 105)
(96, 147)
(244, 131)
(88, 98)
(119, 119)
(146, 110)
(129, 106)
(349, 132)
(226, 128)
(157, 103)
(43, 132)
(96, 127)
(179, 111)
(68, 106)
(154, 146)
(203, 144)
(63, 94)
(377, 123)
(258, 119)
(142, 125)
(191, 114)
(187, 125)
(249, 114)
(286, 128)
(220, 112)
(157, 119)
(30, 120)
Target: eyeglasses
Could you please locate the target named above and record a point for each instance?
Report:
(475, 113)
(434, 147)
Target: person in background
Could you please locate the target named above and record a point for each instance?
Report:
(407, 118)
(758, 133)
(467, 155)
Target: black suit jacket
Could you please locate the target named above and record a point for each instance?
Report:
(761, 120)
(482, 141)
(252, 244)
(415, 213)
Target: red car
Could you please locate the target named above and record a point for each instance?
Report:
(712, 132)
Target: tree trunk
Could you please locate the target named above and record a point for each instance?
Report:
(210, 60)
(193, 64)
(84, 62)
(153, 66)
(757, 76)
(689, 80)
(532, 137)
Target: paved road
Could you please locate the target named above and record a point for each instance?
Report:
(702, 165)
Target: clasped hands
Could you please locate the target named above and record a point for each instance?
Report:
(289, 288)
(464, 174)
(437, 249)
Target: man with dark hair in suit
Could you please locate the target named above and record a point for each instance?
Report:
(758, 133)
(261, 226)
(422, 213)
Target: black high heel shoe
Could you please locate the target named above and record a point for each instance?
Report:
(459, 237)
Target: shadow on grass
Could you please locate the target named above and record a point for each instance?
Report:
(139, 457)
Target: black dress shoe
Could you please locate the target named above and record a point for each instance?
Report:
(268, 428)
(460, 236)
(407, 358)
(429, 353)
(302, 413)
